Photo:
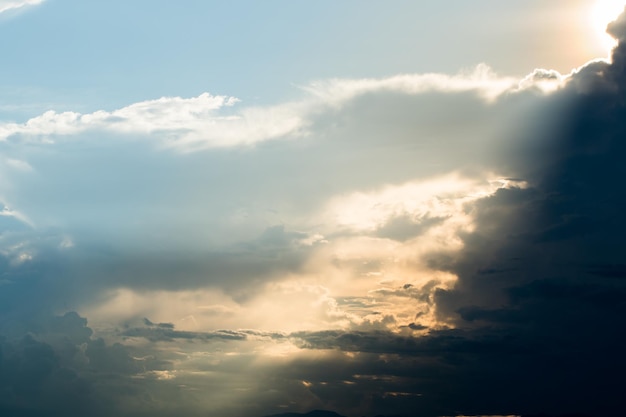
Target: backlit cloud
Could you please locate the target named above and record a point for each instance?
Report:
(428, 245)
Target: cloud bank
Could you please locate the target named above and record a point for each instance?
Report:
(205, 122)
(420, 245)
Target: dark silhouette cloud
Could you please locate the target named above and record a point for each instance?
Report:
(544, 267)
(40, 377)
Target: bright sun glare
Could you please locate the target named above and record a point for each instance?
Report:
(605, 11)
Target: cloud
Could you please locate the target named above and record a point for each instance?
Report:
(78, 167)
(203, 122)
(543, 265)
(166, 332)
(6, 5)
(446, 244)
(184, 123)
(6, 212)
(481, 80)
(234, 218)
(44, 372)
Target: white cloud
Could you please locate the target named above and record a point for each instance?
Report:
(441, 197)
(164, 114)
(481, 79)
(6, 5)
(189, 123)
(209, 121)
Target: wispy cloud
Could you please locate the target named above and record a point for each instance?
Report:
(6, 5)
(208, 121)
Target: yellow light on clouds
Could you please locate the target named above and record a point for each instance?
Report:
(604, 12)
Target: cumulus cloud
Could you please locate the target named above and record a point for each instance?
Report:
(189, 123)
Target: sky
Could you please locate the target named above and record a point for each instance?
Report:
(241, 209)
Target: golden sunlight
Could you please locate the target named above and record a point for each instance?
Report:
(604, 12)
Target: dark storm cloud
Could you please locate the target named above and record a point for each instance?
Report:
(441, 374)
(544, 267)
(436, 344)
(40, 371)
(57, 368)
